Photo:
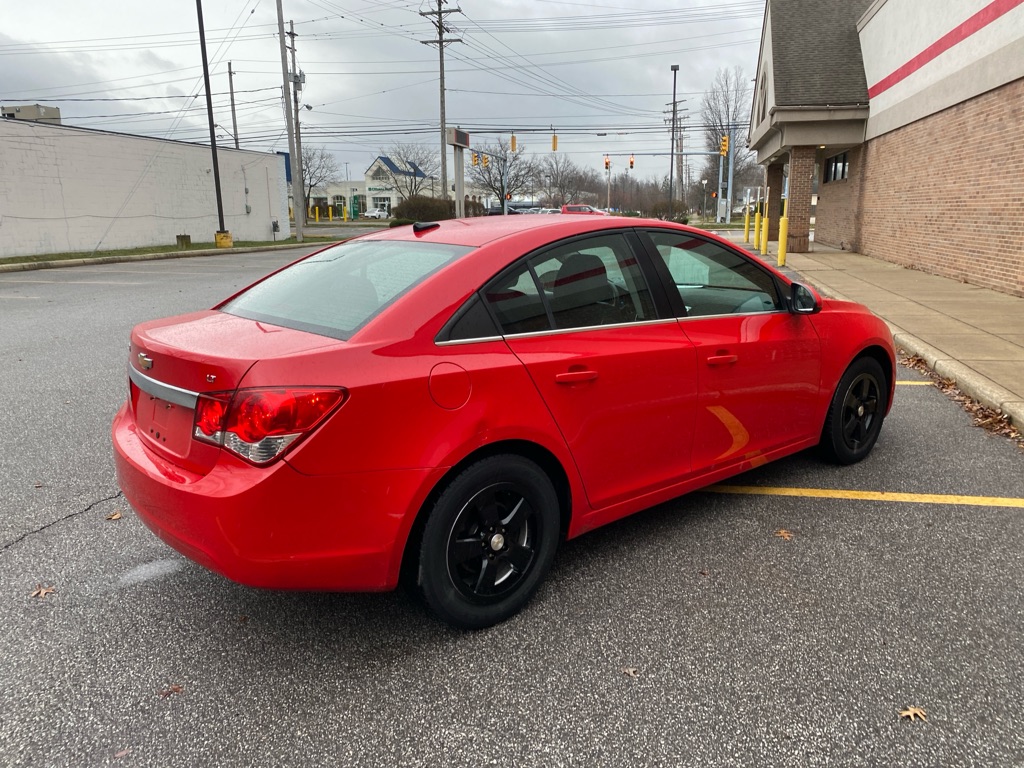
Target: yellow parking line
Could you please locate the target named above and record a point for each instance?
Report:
(911, 498)
(915, 383)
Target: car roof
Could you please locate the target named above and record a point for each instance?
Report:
(481, 230)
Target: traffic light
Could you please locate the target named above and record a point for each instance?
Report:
(554, 142)
(607, 163)
(631, 161)
(723, 149)
(714, 195)
(476, 159)
(508, 195)
(485, 160)
(512, 143)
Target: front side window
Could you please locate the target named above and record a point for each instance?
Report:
(581, 284)
(712, 280)
(337, 291)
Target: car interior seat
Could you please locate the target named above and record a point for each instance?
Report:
(583, 295)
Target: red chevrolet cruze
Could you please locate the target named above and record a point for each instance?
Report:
(448, 401)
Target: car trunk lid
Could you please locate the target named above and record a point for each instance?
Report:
(174, 360)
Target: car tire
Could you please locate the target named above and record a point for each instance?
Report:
(489, 541)
(856, 412)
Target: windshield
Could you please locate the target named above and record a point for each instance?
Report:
(337, 291)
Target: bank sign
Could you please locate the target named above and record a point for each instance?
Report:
(378, 189)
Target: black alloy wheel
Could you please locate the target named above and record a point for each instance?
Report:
(856, 413)
(492, 543)
(489, 541)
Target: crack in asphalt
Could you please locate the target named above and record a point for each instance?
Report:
(52, 523)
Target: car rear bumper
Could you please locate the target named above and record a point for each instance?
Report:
(274, 527)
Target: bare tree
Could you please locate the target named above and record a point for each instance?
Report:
(416, 165)
(506, 172)
(319, 169)
(564, 181)
(726, 108)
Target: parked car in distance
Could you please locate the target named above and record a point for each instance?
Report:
(588, 210)
(376, 213)
(497, 210)
(550, 210)
(444, 403)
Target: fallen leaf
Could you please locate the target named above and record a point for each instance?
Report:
(703, 573)
(40, 485)
(175, 688)
(40, 591)
(115, 515)
(122, 753)
(629, 671)
(782, 533)
(914, 712)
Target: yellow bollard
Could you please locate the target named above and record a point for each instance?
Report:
(757, 226)
(344, 213)
(317, 209)
(330, 213)
(291, 215)
(746, 225)
(783, 235)
(764, 223)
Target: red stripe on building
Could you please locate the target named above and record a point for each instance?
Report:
(981, 19)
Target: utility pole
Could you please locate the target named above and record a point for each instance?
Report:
(209, 114)
(441, 42)
(672, 167)
(288, 118)
(729, 205)
(231, 89)
(296, 87)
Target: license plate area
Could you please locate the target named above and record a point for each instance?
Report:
(164, 424)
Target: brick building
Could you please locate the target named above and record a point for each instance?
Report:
(906, 112)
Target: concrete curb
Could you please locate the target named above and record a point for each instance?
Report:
(120, 259)
(967, 380)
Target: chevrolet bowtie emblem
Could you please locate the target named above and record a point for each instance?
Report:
(145, 361)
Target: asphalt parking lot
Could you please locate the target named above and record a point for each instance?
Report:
(785, 625)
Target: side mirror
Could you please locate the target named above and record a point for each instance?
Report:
(802, 300)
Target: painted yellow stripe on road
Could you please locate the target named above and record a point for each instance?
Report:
(914, 383)
(906, 498)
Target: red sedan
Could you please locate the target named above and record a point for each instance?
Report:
(448, 401)
(586, 210)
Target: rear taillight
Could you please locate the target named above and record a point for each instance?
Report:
(260, 424)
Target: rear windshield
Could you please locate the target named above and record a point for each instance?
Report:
(336, 292)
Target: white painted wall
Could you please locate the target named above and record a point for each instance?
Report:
(65, 189)
(893, 32)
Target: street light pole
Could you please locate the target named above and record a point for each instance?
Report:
(704, 205)
(672, 167)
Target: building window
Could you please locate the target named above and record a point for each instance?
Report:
(836, 167)
(380, 174)
(338, 201)
(763, 98)
(384, 203)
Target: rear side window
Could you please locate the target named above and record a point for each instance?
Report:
(580, 284)
(337, 291)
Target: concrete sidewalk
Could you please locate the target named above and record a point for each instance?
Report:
(972, 335)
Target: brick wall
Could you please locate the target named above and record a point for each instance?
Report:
(944, 194)
(64, 189)
(836, 218)
(798, 205)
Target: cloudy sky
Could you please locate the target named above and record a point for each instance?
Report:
(597, 72)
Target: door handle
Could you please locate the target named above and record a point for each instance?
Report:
(722, 359)
(572, 377)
